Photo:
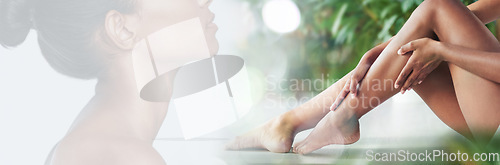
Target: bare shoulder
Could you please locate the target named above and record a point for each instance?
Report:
(78, 151)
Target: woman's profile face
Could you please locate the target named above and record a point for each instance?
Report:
(177, 32)
(158, 14)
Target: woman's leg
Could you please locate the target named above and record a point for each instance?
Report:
(277, 134)
(452, 23)
(438, 93)
(479, 98)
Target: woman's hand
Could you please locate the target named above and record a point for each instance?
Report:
(424, 59)
(358, 74)
(352, 84)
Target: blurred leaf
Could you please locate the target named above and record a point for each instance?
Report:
(406, 5)
(334, 34)
(338, 19)
(390, 9)
(384, 34)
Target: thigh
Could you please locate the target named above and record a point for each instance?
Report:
(451, 22)
(389, 64)
(478, 98)
(438, 93)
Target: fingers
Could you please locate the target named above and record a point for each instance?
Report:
(408, 68)
(342, 95)
(414, 72)
(410, 81)
(423, 74)
(421, 78)
(357, 77)
(405, 73)
(415, 78)
(407, 48)
(352, 87)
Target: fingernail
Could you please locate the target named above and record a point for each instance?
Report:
(396, 86)
(403, 92)
(400, 52)
(420, 82)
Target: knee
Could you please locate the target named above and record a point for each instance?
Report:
(430, 9)
(434, 6)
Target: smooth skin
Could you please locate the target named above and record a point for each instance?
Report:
(447, 90)
(117, 127)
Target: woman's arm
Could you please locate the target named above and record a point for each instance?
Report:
(427, 54)
(482, 63)
(486, 10)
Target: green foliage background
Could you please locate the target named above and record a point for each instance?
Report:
(334, 34)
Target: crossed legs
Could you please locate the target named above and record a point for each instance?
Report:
(467, 103)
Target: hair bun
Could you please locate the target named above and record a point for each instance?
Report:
(15, 22)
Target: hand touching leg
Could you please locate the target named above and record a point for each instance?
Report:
(423, 23)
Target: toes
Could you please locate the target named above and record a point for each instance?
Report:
(301, 145)
(300, 149)
(297, 145)
(308, 148)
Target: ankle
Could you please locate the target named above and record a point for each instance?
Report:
(289, 121)
(348, 113)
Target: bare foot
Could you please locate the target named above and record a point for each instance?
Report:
(276, 136)
(336, 127)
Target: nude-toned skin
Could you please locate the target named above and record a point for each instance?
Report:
(463, 95)
(117, 126)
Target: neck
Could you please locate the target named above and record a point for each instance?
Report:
(117, 96)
